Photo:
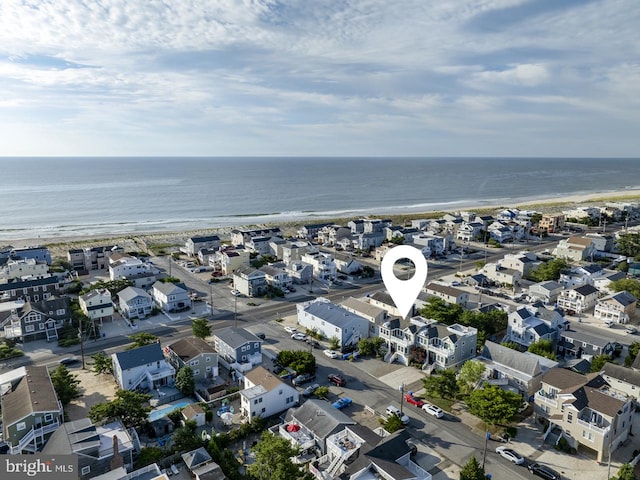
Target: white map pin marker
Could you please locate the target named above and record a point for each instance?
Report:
(404, 292)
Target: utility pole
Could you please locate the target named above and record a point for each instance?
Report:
(235, 310)
(484, 454)
(401, 398)
(211, 298)
(81, 342)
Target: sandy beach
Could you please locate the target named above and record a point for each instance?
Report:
(154, 241)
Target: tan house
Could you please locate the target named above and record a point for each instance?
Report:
(577, 249)
(225, 262)
(589, 413)
(551, 223)
(502, 275)
(617, 308)
(374, 314)
(448, 294)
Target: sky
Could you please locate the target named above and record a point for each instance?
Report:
(320, 78)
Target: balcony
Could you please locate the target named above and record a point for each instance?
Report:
(344, 443)
(551, 401)
(297, 435)
(418, 471)
(593, 427)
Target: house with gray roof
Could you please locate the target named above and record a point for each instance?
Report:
(619, 307)
(623, 380)
(31, 411)
(35, 289)
(94, 446)
(239, 347)
(383, 300)
(133, 302)
(529, 324)
(171, 297)
(194, 244)
(36, 320)
(578, 299)
(576, 344)
(333, 321)
(142, 368)
(514, 370)
(546, 292)
(97, 305)
(250, 281)
(276, 277)
(375, 315)
(449, 294)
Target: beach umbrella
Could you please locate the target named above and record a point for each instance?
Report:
(293, 427)
(227, 418)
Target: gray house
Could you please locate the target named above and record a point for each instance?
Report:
(195, 352)
(36, 320)
(237, 345)
(574, 344)
(171, 297)
(135, 303)
(194, 244)
(27, 290)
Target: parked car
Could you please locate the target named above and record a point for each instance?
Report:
(510, 455)
(292, 289)
(299, 336)
(290, 329)
(313, 342)
(277, 368)
(338, 379)
(342, 403)
(303, 378)
(631, 329)
(310, 389)
(331, 353)
(544, 471)
(413, 400)
(433, 410)
(391, 410)
(261, 335)
(235, 293)
(69, 361)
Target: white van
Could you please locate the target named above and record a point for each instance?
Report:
(391, 410)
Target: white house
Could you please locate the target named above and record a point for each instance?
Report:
(134, 302)
(546, 292)
(575, 248)
(333, 320)
(324, 266)
(347, 264)
(143, 367)
(527, 325)
(448, 294)
(194, 244)
(21, 268)
(375, 315)
(97, 305)
(276, 277)
(578, 299)
(264, 394)
(617, 308)
(170, 297)
(122, 265)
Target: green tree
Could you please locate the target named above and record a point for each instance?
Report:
(625, 473)
(437, 309)
(550, 270)
(392, 423)
(141, 339)
(273, 459)
(629, 284)
(367, 272)
(511, 345)
(299, 360)
(102, 363)
(472, 470)
(397, 240)
(149, 455)
(634, 348)
(544, 348)
(320, 392)
(185, 381)
(365, 347)
(132, 407)
(442, 384)
(598, 362)
(493, 405)
(629, 244)
(201, 328)
(65, 384)
(334, 343)
(185, 438)
(470, 374)
(623, 266)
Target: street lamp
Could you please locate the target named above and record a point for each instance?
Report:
(401, 388)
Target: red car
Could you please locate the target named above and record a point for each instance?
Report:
(413, 401)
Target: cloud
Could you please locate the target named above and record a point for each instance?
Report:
(526, 75)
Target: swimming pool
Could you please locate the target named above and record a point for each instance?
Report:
(166, 410)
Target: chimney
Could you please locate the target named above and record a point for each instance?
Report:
(117, 460)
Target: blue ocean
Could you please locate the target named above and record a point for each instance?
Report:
(50, 197)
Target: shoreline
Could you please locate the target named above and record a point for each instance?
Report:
(289, 226)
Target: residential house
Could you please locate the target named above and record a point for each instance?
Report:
(551, 223)
(324, 266)
(332, 234)
(34, 289)
(144, 473)
(276, 277)
(201, 465)
(293, 251)
(590, 415)
(194, 413)
(576, 249)
(603, 282)
(238, 346)
(311, 231)
(313, 422)
(529, 324)
(259, 245)
(449, 294)
(194, 244)
(133, 302)
(356, 226)
(31, 411)
(171, 297)
(582, 212)
(579, 299)
(143, 367)
(92, 258)
(98, 448)
(276, 245)
(510, 369)
(122, 265)
(431, 244)
(97, 305)
(617, 308)
(501, 232)
(547, 292)
(347, 264)
(37, 253)
(368, 241)
(376, 225)
(583, 275)
(333, 321)
(383, 300)
(420, 223)
(469, 231)
(36, 320)
(575, 344)
(250, 281)
(300, 273)
(22, 268)
(501, 275)
(524, 262)
(400, 337)
(204, 256)
(448, 346)
(264, 394)
(602, 243)
(623, 380)
(228, 260)
(241, 237)
(375, 315)
(195, 352)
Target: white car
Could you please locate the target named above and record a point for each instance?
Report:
(299, 336)
(331, 353)
(291, 330)
(391, 410)
(433, 410)
(235, 293)
(510, 455)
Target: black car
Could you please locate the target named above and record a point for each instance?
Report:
(69, 361)
(313, 343)
(303, 378)
(277, 368)
(260, 335)
(339, 380)
(544, 472)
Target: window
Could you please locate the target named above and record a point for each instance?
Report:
(263, 410)
(36, 288)
(194, 363)
(41, 326)
(587, 435)
(48, 417)
(280, 392)
(208, 369)
(196, 372)
(29, 328)
(208, 359)
(569, 417)
(289, 400)
(60, 311)
(256, 345)
(86, 470)
(244, 348)
(21, 426)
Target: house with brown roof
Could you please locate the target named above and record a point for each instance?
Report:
(194, 413)
(195, 352)
(31, 411)
(448, 294)
(265, 394)
(589, 413)
(577, 249)
(374, 314)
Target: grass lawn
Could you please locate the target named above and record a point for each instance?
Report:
(444, 403)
